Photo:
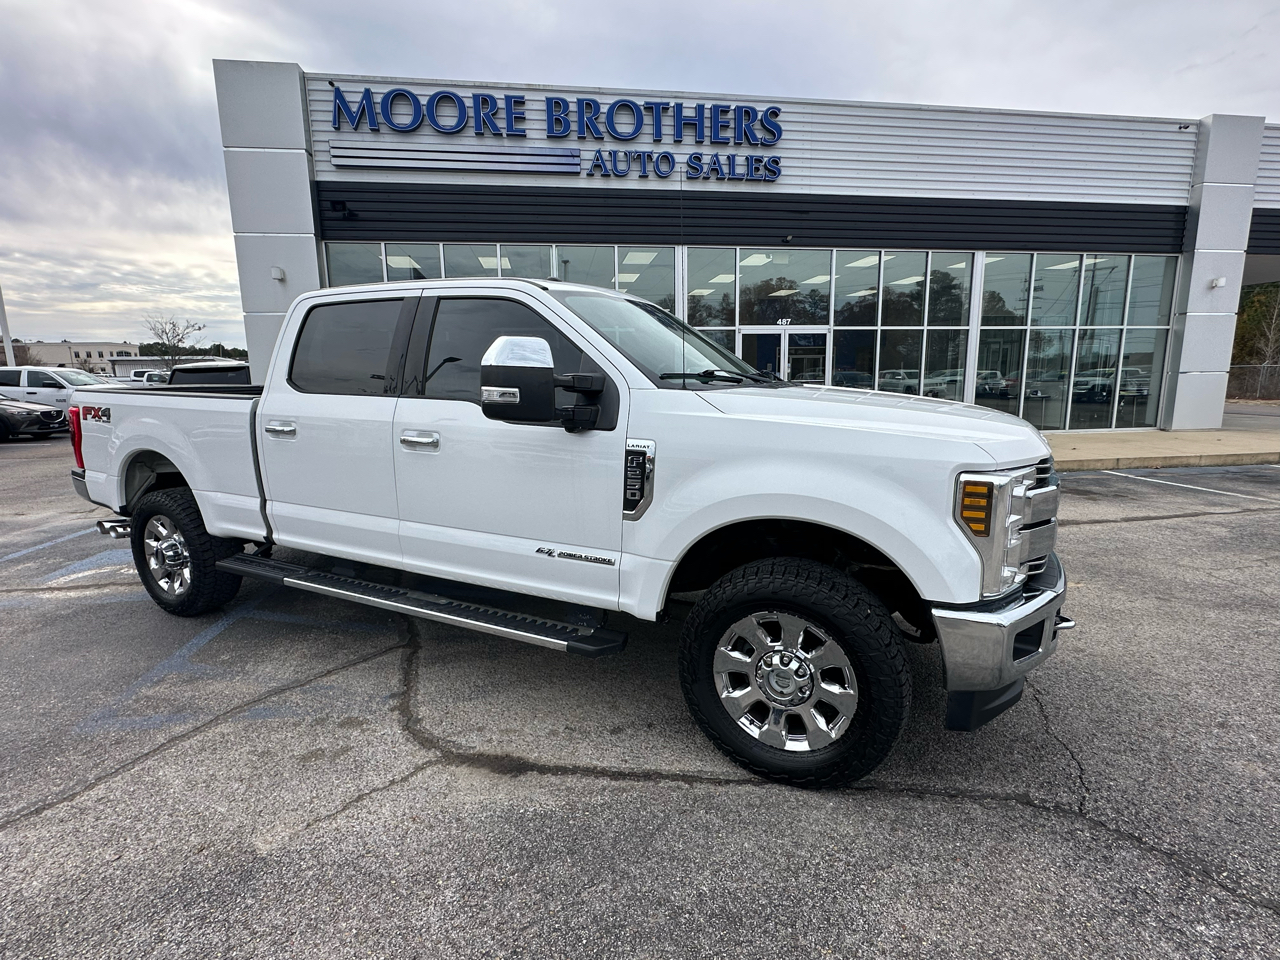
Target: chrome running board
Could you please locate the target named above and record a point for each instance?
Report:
(552, 634)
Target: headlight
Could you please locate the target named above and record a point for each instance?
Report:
(984, 510)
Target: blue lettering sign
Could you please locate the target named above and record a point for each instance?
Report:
(485, 105)
(588, 112)
(692, 166)
(720, 122)
(387, 108)
(558, 124)
(598, 161)
(510, 105)
(744, 119)
(611, 118)
(664, 163)
(698, 121)
(656, 108)
(770, 122)
(364, 109)
(433, 111)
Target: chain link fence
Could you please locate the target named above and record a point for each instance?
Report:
(1256, 382)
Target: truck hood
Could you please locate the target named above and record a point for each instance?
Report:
(1007, 439)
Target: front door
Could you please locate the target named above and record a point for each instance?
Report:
(324, 430)
(798, 355)
(44, 387)
(527, 507)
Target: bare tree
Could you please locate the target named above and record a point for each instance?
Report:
(174, 337)
(22, 356)
(1266, 342)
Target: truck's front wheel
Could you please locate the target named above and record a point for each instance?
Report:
(175, 555)
(796, 672)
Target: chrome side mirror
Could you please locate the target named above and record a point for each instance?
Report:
(518, 381)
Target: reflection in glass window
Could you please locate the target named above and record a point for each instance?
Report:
(784, 285)
(1044, 402)
(725, 338)
(857, 287)
(999, 359)
(470, 260)
(526, 260)
(763, 351)
(712, 280)
(1006, 285)
(649, 273)
(944, 364)
(807, 357)
(354, 263)
(900, 360)
(903, 289)
(1151, 293)
(1056, 291)
(1094, 386)
(1105, 278)
(592, 266)
(413, 261)
(949, 289)
(1141, 375)
(854, 362)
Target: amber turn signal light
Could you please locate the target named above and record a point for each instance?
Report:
(975, 507)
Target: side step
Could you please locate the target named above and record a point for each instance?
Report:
(564, 637)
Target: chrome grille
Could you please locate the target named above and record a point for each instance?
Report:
(1036, 502)
(1044, 473)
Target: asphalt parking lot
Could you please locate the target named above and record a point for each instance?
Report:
(295, 777)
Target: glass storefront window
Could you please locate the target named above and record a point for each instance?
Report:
(649, 273)
(526, 260)
(1044, 396)
(999, 359)
(1006, 287)
(1094, 385)
(788, 286)
(857, 287)
(724, 338)
(1056, 291)
(1151, 293)
(1105, 280)
(900, 360)
(853, 362)
(807, 358)
(1141, 374)
(592, 266)
(944, 362)
(949, 275)
(903, 289)
(470, 260)
(763, 351)
(350, 263)
(712, 276)
(413, 261)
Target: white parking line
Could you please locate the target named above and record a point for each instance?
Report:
(1187, 486)
(41, 546)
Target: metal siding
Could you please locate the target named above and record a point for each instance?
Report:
(834, 148)
(1267, 191)
(430, 212)
(1264, 232)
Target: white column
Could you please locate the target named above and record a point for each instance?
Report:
(266, 139)
(1204, 320)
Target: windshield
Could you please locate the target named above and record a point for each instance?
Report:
(78, 379)
(661, 345)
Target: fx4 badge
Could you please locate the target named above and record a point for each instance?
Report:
(569, 555)
(101, 414)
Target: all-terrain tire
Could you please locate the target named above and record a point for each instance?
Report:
(206, 588)
(849, 615)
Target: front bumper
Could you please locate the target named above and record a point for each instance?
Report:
(988, 649)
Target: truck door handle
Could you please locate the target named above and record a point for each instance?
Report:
(281, 428)
(430, 441)
(31, 393)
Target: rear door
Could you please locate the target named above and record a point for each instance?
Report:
(325, 429)
(528, 507)
(11, 384)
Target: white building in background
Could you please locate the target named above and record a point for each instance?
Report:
(95, 356)
(1080, 271)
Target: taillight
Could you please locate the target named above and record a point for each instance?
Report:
(73, 417)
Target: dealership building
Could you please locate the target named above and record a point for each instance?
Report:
(1082, 272)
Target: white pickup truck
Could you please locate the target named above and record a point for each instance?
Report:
(519, 457)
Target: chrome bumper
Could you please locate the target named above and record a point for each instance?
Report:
(988, 649)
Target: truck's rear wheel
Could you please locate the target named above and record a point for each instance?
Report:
(175, 555)
(796, 672)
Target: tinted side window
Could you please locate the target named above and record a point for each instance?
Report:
(38, 378)
(465, 328)
(10, 378)
(344, 348)
(239, 375)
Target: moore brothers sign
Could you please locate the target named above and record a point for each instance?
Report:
(487, 115)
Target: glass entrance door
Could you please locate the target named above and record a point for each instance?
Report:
(795, 355)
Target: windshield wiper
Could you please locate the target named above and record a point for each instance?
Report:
(706, 376)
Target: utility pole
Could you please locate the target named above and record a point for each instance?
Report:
(4, 334)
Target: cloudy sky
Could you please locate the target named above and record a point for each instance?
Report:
(112, 193)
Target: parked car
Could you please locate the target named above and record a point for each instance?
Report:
(900, 381)
(19, 417)
(47, 385)
(547, 452)
(853, 378)
(990, 383)
(944, 384)
(211, 371)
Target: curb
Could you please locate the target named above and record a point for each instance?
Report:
(1171, 460)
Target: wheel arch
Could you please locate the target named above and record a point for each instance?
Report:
(144, 471)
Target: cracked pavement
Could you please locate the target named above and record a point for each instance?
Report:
(299, 777)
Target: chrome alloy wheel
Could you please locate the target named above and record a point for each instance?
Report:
(167, 556)
(785, 681)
